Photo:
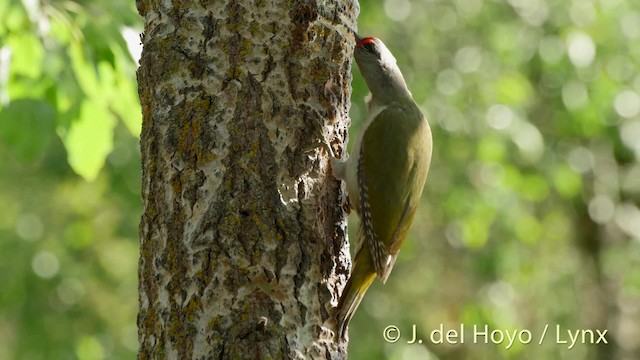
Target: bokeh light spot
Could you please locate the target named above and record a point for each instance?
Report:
(581, 49)
(397, 10)
(627, 217)
(630, 24)
(70, 291)
(469, 7)
(468, 59)
(529, 140)
(627, 103)
(574, 95)
(580, 160)
(582, 13)
(500, 117)
(500, 293)
(447, 20)
(29, 227)
(448, 82)
(45, 264)
(601, 209)
(534, 12)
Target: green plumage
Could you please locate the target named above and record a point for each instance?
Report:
(394, 162)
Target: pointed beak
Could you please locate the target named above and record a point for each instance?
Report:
(357, 37)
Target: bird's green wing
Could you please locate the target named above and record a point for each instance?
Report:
(393, 165)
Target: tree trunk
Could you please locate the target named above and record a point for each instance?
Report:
(243, 236)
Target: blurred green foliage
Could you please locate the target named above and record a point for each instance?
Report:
(68, 105)
(530, 215)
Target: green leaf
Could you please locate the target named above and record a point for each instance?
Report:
(85, 72)
(90, 139)
(26, 126)
(119, 94)
(14, 18)
(27, 55)
(126, 104)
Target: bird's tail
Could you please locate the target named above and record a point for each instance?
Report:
(361, 278)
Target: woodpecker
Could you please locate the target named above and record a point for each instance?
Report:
(385, 173)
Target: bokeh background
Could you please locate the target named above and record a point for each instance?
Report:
(530, 216)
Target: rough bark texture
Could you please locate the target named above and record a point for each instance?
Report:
(243, 246)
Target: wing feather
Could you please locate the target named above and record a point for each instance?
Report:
(392, 169)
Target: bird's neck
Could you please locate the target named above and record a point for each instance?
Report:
(380, 99)
(389, 88)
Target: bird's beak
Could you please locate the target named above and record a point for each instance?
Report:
(357, 37)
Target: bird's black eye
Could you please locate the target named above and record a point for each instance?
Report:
(369, 47)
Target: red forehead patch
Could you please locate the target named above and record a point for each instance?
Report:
(365, 41)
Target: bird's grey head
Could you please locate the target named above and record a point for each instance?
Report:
(379, 69)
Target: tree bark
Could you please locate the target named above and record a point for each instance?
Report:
(243, 236)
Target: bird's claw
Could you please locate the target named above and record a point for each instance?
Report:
(321, 144)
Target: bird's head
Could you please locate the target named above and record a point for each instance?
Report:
(379, 69)
(370, 50)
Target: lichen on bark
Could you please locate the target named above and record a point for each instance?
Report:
(243, 237)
